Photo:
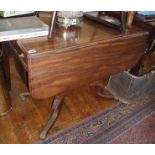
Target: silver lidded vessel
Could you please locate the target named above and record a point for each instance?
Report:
(69, 18)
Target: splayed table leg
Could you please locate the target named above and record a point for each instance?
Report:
(99, 90)
(54, 114)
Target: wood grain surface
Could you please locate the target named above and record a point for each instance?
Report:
(62, 72)
(24, 123)
(27, 118)
(69, 60)
(78, 56)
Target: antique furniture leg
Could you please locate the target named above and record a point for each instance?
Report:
(54, 114)
(130, 18)
(147, 52)
(52, 24)
(6, 67)
(5, 102)
(99, 90)
(149, 49)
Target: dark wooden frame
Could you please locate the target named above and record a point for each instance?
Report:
(121, 16)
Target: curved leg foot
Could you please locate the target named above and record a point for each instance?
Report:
(54, 114)
(99, 90)
(23, 95)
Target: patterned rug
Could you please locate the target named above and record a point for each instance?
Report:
(122, 123)
(142, 133)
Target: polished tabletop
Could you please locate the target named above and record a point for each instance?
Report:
(89, 32)
(78, 56)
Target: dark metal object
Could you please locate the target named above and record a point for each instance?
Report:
(116, 23)
(123, 19)
(53, 20)
(128, 88)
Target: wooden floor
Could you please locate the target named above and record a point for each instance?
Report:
(24, 123)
